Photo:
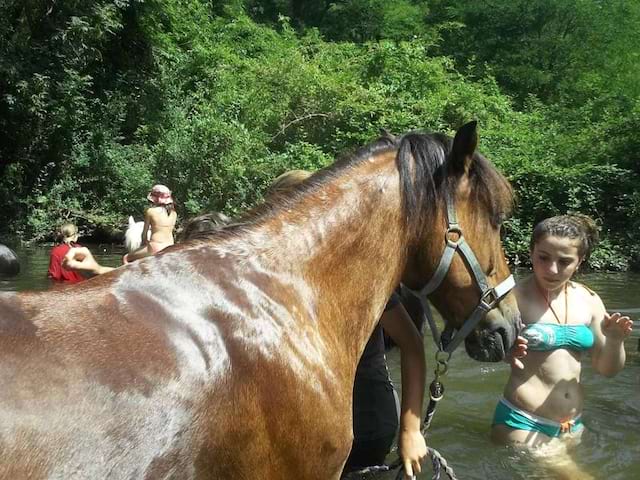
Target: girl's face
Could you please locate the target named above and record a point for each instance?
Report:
(555, 260)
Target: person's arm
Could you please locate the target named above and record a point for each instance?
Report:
(145, 229)
(399, 326)
(80, 259)
(608, 355)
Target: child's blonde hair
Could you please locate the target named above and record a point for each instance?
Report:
(68, 233)
(286, 182)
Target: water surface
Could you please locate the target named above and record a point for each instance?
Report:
(34, 262)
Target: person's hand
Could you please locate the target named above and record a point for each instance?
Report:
(81, 259)
(518, 351)
(616, 326)
(413, 450)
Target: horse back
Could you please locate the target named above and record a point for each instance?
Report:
(95, 385)
(160, 372)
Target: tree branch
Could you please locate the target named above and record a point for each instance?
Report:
(298, 120)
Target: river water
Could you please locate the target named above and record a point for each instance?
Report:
(610, 447)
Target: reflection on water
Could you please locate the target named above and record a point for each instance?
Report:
(610, 446)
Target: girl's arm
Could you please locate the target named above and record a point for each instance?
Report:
(399, 326)
(608, 355)
(81, 259)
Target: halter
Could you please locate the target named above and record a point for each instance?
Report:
(489, 296)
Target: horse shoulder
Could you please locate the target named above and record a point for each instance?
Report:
(279, 369)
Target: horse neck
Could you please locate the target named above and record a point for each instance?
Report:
(347, 240)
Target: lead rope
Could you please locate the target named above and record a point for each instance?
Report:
(438, 462)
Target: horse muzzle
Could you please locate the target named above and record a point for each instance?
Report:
(493, 341)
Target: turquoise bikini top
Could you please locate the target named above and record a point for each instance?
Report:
(543, 337)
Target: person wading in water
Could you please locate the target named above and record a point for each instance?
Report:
(161, 219)
(543, 399)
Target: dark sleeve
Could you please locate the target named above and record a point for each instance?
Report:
(393, 301)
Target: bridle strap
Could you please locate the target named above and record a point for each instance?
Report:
(489, 296)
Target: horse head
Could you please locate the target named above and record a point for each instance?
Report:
(461, 265)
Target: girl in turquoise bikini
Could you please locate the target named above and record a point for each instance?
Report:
(543, 398)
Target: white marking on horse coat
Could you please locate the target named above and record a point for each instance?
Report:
(189, 312)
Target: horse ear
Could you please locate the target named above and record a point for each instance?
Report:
(464, 145)
(131, 221)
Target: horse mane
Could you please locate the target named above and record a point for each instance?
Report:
(428, 182)
(425, 182)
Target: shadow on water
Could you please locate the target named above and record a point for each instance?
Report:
(610, 446)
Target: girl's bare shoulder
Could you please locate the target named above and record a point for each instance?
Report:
(586, 296)
(582, 289)
(155, 210)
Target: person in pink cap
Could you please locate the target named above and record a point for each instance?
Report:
(160, 218)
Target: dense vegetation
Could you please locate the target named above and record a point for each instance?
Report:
(99, 100)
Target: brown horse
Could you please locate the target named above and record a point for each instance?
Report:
(233, 356)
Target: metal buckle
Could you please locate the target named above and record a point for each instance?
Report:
(453, 229)
(442, 362)
(489, 299)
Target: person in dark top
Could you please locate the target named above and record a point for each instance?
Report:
(376, 409)
(69, 235)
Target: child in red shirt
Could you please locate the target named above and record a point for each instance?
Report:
(69, 234)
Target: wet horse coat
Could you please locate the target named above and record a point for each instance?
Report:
(233, 356)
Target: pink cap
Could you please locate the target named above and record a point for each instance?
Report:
(160, 195)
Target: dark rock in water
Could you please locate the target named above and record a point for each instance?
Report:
(9, 263)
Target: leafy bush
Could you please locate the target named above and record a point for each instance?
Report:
(101, 100)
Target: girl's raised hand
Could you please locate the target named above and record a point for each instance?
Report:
(616, 326)
(518, 351)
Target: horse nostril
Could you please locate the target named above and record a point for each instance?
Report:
(505, 338)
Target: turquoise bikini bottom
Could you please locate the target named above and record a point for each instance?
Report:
(513, 417)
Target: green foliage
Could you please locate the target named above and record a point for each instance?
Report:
(100, 100)
(574, 49)
(609, 256)
(349, 20)
(608, 194)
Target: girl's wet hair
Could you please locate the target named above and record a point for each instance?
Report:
(169, 207)
(285, 183)
(575, 227)
(67, 232)
(203, 224)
